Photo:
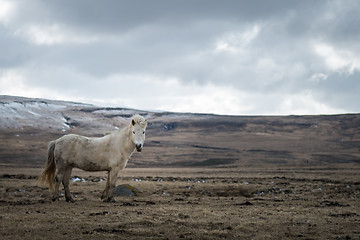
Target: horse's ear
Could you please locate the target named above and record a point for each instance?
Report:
(133, 122)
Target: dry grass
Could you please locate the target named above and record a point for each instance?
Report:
(197, 203)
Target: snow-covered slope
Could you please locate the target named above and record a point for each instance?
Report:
(19, 112)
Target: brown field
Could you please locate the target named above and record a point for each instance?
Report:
(202, 176)
(272, 202)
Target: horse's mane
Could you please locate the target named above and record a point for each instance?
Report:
(137, 119)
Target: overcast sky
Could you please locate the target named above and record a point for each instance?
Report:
(224, 57)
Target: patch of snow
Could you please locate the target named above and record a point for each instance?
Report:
(77, 179)
(36, 114)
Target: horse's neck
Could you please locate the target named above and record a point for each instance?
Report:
(124, 140)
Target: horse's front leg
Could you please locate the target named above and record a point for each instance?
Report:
(106, 191)
(110, 185)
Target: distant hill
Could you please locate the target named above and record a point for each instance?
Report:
(181, 139)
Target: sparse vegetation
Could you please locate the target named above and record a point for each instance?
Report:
(200, 203)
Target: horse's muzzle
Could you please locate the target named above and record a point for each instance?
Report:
(138, 147)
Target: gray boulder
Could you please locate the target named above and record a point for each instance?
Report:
(125, 190)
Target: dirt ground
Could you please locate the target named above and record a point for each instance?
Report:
(189, 203)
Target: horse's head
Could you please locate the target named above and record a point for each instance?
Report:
(138, 128)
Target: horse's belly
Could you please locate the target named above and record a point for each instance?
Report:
(90, 166)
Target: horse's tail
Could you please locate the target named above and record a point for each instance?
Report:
(48, 175)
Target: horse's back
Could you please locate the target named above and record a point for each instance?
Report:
(74, 140)
(86, 153)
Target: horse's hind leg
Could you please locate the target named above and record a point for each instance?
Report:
(66, 181)
(58, 179)
(62, 176)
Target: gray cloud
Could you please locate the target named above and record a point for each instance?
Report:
(285, 57)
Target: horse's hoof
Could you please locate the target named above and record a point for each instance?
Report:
(110, 200)
(55, 199)
(70, 200)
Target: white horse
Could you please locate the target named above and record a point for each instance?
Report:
(109, 153)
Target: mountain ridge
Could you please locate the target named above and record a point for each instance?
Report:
(181, 139)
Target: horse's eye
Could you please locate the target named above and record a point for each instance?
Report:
(133, 132)
(143, 132)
